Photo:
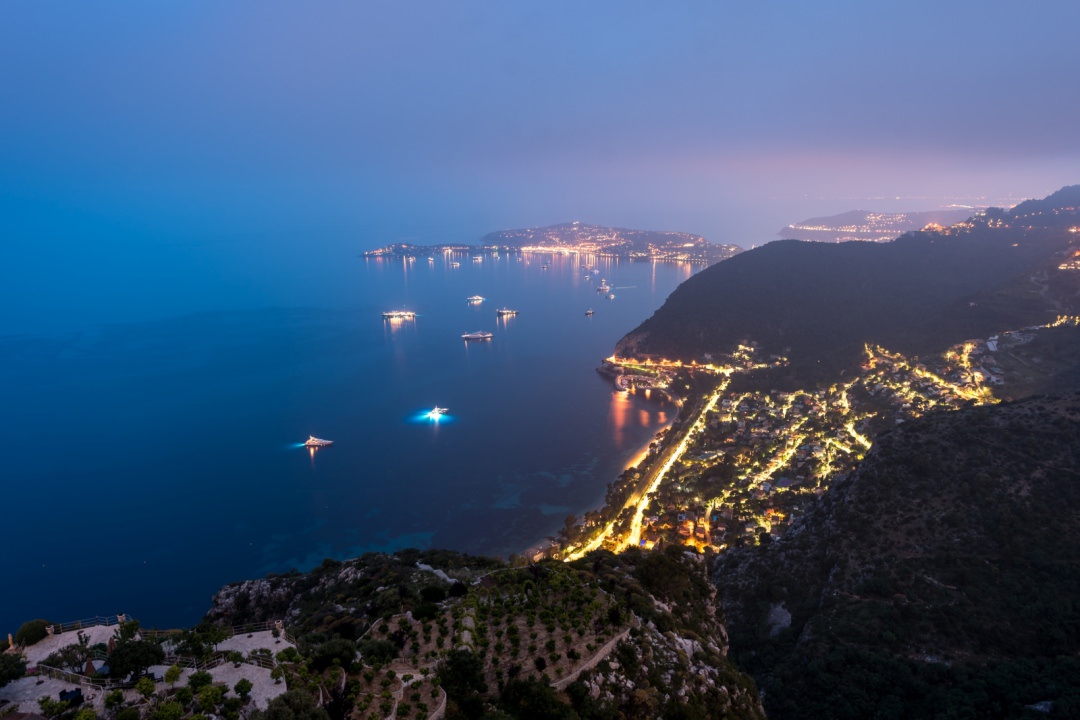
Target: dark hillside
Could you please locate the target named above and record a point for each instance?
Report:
(941, 579)
(818, 303)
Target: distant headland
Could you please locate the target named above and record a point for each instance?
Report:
(878, 227)
(576, 237)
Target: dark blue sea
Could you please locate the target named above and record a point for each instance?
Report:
(151, 460)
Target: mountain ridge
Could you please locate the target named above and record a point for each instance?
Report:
(819, 303)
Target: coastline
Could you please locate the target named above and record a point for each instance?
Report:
(540, 549)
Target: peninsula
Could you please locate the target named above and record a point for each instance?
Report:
(583, 239)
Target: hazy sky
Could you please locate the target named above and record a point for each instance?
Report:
(370, 122)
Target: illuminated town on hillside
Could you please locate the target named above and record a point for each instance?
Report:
(745, 464)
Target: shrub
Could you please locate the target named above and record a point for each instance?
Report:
(30, 632)
(199, 680)
(114, 698)
(169, 711)
(288, 655)
(12, 667)
(242, 687)
(185, 695)
(210, 697)
(338, 651)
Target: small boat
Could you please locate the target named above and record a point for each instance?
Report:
(505, 311)
(436, 412)
(398, 315)
(314, 442)
(472, 299)
(455, 264)
(477, 335)
(543, 267)
(589, 312)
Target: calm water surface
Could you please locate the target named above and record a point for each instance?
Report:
(148, 463)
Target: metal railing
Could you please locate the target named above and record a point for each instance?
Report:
(199, 665)
(60, 628)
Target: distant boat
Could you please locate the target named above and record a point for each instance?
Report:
(477, 335)
(611, 296)
(398, 315)
(455, 264)
(436, 412)
(474, 299)
(314, 442)
(604, 287)
(543, 267)
(505, 311)
(589, 312)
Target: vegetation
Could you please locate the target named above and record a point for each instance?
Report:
(31, 632)
(819, 303)
(632, 635)
(938, 580)
(12, 667)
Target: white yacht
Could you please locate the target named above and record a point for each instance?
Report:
(477, 335)
(314, 442)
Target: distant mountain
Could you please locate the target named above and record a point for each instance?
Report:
(818, 303)
(940, 579)
(862, 225)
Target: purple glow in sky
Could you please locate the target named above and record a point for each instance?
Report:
(152, 124)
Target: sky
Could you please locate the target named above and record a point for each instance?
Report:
(139, 136)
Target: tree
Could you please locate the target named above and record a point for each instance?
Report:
(133, 657)
(173, 674)
(338, 651)
(31, 632)
(169, 711)
(210, 697)
(145, 687)
(12, 667)
(52, 708)
(291, 705)
(86, 713)
(127, 631)
(70, 657)
(243, 687)
(114, 699)
(197, 681)
(532, 699)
